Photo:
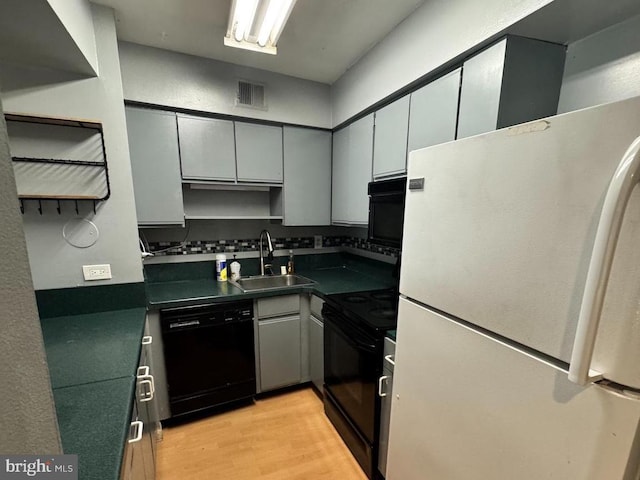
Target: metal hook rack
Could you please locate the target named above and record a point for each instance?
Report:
(39, 187)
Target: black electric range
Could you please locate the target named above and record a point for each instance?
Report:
(376, 310)
(354, 329)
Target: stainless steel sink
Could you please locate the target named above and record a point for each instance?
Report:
(262, 283)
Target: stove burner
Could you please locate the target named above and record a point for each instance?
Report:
(355, 299)
(383, 296)
(383, 312)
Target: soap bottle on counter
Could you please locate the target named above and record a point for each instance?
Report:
(235, 269)
(290, 268)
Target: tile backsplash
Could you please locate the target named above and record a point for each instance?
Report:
(195, 247)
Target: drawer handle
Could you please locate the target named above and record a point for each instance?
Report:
(142, 371)
(147, 396)
(389, 358)
(147, 340)
(138, 426)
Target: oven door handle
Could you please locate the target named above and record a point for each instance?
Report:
(350, 334)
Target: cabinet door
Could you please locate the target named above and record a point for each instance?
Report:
(480, 93)
(279, 340)
(390, 139)
(258, 153)
(339, 180)
(316, 352)
(307, 176)
(207, 148)
(434, 112)
(155, 166)
(360, 169)
(352, 169)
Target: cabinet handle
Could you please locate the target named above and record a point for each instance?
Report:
(147, 340)
(147, 396)
(380, 381)
(142, 371)
(389, 358)
(138, 426)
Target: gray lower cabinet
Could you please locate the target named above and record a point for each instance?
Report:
(434, 112)
(352, 172)
(280, 358)
(390, 139)
(316, 352)
(155, 166)
(385, 390)
(132, 467)
(258, 153)
(139, 458)
(207, 148)
(513, 81)
(307, 177)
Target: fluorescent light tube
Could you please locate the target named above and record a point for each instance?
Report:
(269, 17)
(244, 12)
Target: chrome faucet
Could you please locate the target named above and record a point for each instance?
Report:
(263, 266)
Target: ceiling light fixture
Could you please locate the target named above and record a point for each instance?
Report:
(257, 24)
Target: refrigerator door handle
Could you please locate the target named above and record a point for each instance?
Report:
(609, 225)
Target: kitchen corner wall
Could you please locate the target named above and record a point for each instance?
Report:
(161, 77)
(27, 413)
(54, 262)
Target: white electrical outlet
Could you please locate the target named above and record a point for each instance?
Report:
(317, 241)
(97, 272)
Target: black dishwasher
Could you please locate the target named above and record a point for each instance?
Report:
(209, 355)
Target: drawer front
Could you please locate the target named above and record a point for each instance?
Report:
(316, 306)
(277, 306)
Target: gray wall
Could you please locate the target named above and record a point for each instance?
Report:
(162, 77)
(602, 68)
(75, 15)
(54, 262)
(436, 33)
(27, 412)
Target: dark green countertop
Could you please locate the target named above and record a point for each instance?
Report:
(93, 347)
(94, 424)
(92, 362)
(170, 285)
(391, 334)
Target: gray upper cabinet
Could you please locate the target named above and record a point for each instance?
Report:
(155, 166)
(307, 176)
(259, 153)
(207, 148)
(339, 180)
(434, 112)
(352, 172)
(390, 139)
(513, 81)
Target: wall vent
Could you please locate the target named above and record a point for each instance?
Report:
(251, 95)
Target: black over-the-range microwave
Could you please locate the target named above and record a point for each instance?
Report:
(386, 212)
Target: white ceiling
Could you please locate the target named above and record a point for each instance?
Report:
(321, 40)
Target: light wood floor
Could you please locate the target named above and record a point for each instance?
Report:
(284, 437)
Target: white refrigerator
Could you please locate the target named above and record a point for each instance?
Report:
(518, 342)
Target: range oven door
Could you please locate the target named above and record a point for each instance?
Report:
(351, 369)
